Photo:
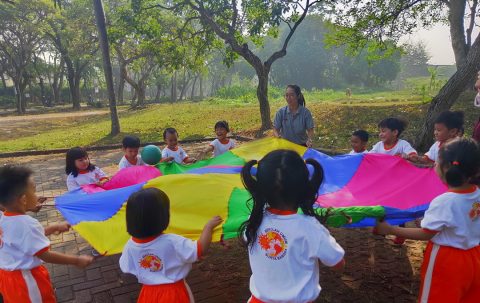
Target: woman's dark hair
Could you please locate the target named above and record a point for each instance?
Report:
(451, 119)
(169, 130)
(362, 134)
(72, 155)
(394, 124)
(282, 180)
(460, 161)
(13, 183)
(222, 124)
(148, 213)
(131, 142)
(298, 92)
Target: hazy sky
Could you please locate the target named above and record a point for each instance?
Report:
(437, 40)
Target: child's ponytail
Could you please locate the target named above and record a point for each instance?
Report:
(459, 161)
(454, 175)
(249, 228)
(313, 185)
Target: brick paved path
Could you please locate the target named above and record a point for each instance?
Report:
(102, 281)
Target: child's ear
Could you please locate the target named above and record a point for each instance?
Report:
(395, 132)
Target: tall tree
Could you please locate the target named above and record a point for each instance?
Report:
(22, 27)
(237, 23)
(107, 65)
(363, 20)
(73, 34)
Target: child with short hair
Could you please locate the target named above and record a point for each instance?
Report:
(80, 171)
(221, 144)
(284, 247)
(451, 265)
(173, 151)
(24, 243)
(447, 127)
(359, 141)
(390, 130)
(161, 262)
(130, 146)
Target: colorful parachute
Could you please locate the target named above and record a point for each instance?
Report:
(357, 188)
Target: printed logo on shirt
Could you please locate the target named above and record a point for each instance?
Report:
(475, 211)
(97, 176)
(151, 262)
(274, 243)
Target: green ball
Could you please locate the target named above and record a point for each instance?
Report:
(151, 154)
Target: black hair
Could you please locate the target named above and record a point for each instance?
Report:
(222, 124)
(169, 130)
(131, 142)
(451, 119)
(148, 213)
(282, 180)
(13, 183)
(72, 155)
(460, 161)
(362, 134)
(393, 123)
(298, 92)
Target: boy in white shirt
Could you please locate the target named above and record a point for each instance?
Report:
(359, 141)
(174, 152)
(130, 146)
(24, 243)
(390, 130)
(222, 144)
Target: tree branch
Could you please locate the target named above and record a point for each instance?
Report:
(473, 12)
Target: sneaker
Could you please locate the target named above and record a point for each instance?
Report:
(399, 240)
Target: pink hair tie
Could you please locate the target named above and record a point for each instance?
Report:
(455, 163)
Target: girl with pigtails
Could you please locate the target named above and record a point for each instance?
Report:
(284, 246)
(451, 266)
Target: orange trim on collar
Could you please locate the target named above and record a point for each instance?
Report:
(391, 147)
(281, 212)
(226, 141)
(145, 240)
(469, 190)
(176, 148)
(83, 172)
(136, 160)
(11, 214)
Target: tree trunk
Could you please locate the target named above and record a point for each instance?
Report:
(76, 91)
(448, 94)
(174, 88)
(159, 91)
(192, 95)
(262, 95)
(43, 98)
(4, 82)
(140, 94)
(201, 87)
(71, 75)
(121, 87)
(456, 15)
(107, 65)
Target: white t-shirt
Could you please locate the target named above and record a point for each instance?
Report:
(125, 163)
(221, 148)
(22, 238)
(284, 259)
(352, 152)
(166, 259)
(456, 219)
(179, 155)
(432, 153)
(402, 147)
(85, 178)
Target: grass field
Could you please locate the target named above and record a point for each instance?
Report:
(335, 115)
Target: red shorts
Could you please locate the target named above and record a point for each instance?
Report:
(450, 275)
(169, 293)
(25, 286)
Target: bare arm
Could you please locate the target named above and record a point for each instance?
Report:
(276, 133)
(384, 228)
(81, 261)
(206, 236)
(57, 228)
(310, 133)
(204, 152)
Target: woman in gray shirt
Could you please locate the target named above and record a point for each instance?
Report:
(294, 122)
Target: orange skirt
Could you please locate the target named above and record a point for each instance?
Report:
(450, 275)
(26, 286)
(169, 293)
